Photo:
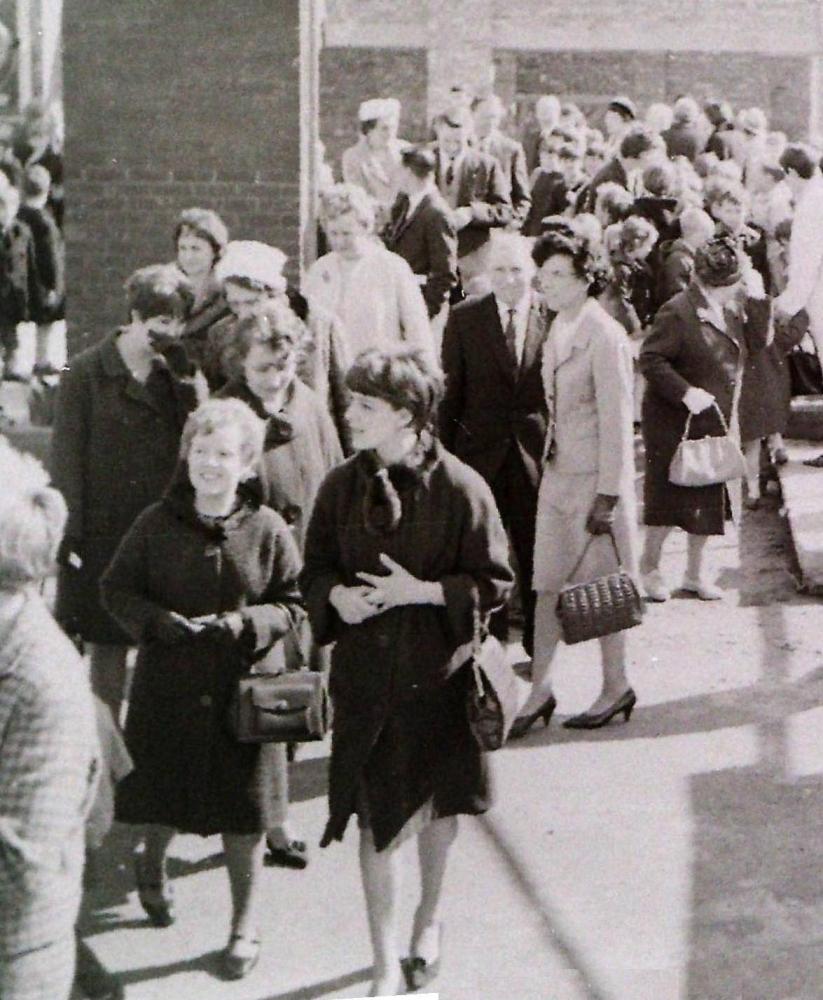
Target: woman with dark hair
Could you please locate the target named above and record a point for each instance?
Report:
(121, 407)
(200, 239)
(405, 555)
(205, 582)
(587, 487)
(693, 361)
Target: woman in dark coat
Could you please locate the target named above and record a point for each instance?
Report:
(692, 360)
(120, 409)
(206, 582)
(404, 549)
(301, 447)
(200, 237)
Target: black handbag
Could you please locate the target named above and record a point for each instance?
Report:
(608, 604)
(805, 375)
(292, 707)
(493, 699)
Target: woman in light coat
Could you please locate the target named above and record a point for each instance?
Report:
(371, 290)
(588, 484)
(374, 162)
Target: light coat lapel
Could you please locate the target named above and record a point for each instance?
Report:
(536, 334)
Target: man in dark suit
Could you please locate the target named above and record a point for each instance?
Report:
(494, 415)
(638, 148)
(422, 232)
(473, 186)
(488, 114)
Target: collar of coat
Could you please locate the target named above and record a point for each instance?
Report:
(705, 313)
(587, 323)
(179, 499)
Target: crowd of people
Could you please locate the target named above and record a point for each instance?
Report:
(357, 475)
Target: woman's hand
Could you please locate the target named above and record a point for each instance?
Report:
(354, 604)
(230, 624)
(697, 400)
(400, 587)
(601, 516)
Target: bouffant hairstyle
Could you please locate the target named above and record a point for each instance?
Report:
(158, 290)
(586, 260)
(32, 518)
(406, 379)
(276, 327)
(346, 199)
(613, 202)
(800, 159)
(637, 236)
(206, 224)
(218, 413)
(639, 140)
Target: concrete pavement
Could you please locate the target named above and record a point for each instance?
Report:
(678, 856)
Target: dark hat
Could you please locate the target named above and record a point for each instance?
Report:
(623, 106)
(716, 263)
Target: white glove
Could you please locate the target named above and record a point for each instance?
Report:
(697, 400)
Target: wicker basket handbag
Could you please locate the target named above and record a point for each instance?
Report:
(608, 604)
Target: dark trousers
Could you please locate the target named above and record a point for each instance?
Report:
(516, 498)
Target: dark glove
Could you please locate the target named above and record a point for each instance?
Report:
(170, 627)
(69, 554)
(601, 516)
(174, 353)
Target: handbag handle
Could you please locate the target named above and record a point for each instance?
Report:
(579, 562)
(689, 421)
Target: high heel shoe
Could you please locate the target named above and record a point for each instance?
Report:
(156, 897)
(587, 720)
(523, 724)
(419, 972)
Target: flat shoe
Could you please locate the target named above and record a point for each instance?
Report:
(156, 898)
(240, 956)
(815, 463)
(705, 591)
(294, 854)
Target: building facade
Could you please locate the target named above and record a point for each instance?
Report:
(763, 52)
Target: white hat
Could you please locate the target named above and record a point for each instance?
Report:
(253, 261)
(377, 109)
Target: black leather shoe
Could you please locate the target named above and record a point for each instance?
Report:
(586, 720)
(295, 854)
(418, 971)
(525, 722)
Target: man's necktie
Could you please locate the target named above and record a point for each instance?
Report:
(450, 174)
(511, 338)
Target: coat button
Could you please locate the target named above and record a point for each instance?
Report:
(205, 700)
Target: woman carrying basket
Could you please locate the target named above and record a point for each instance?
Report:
(588, 485)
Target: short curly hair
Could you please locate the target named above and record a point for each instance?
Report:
(32, 519)
(158, 290)
(217, 413)
(345, 199)
(277, 327)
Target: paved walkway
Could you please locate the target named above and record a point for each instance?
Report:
(678, 856)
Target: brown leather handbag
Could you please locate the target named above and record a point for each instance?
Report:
(605, 605)
(292, 707)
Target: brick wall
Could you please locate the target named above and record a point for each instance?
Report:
(169, 105)
(351, 75)
(778, 84)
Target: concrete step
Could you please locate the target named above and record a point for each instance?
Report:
(806, 418)
(802, 488)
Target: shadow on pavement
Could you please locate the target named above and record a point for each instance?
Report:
(326, 986)
(757, 891)
(207, 962)
(308, 779)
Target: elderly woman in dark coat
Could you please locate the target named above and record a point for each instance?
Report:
(120, 410)
(301, 447)
(405, 547)
(693, 362)
(206, 583)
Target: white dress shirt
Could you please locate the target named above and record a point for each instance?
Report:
(521, 321)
